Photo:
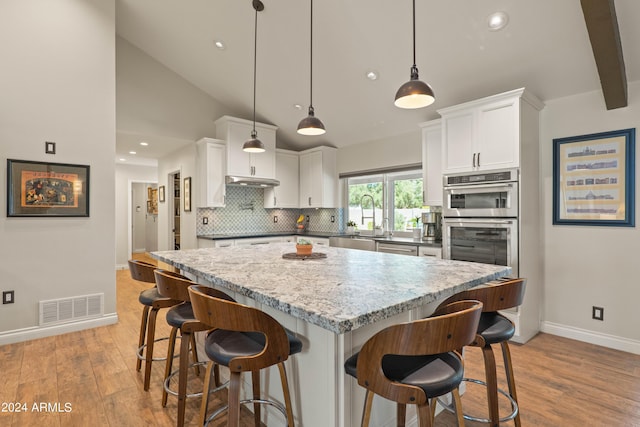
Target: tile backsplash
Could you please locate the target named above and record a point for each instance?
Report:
(245, 213)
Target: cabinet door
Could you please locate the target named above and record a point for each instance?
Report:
(264, 164)
(432, 164)
(498, 139)
(212, 170)
(311, 180)
(238, 161)
(286, 194)
(458, 142)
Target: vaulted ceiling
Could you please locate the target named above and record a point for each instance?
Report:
(545, 47)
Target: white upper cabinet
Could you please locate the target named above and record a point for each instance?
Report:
(318, 178)
(487, 133)
(211, 170)
(432, 163)
(286, 194)
(235, 132)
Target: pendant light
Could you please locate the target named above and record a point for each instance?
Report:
(414, 93)
(311, 125)
(254, 145)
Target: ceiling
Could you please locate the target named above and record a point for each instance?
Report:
(545, 47)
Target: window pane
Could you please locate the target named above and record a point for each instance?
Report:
(360, 207)
(407, 202)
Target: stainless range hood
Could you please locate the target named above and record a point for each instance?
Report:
(250, 181)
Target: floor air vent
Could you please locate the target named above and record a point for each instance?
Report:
(70, 309)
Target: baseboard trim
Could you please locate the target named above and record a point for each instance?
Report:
(28, 334)
(122, 266)
(605, 340)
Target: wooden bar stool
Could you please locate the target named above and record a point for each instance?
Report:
(181, 318)
(152, 302)
(415, 362)
(495, 328)
(245, 340)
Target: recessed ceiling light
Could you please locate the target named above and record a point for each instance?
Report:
(497, 21)
(297, 106)
(123, 160)
(132, 152)
(144, 144)
(219, 44)
(372, 75)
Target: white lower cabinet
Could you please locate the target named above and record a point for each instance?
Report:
(318, 241)
(253, 241)
(430, 251)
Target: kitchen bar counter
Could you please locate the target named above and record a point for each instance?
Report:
(333, 305)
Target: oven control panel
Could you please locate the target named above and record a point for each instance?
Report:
(481, 178)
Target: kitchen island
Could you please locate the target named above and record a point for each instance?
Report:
(334, 304)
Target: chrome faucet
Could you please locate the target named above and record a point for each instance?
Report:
(373, 207)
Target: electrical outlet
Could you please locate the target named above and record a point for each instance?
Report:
(597, 313)
(205, 220)
(333, 218)
(275, 219)
(307, 218)
(8, 297)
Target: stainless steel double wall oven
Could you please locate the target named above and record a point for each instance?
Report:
(480, 217)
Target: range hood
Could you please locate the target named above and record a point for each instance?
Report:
(250, 181)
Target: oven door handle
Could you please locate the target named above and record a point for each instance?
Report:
(477, 221)
(478, 187)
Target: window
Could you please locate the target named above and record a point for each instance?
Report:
(396, 197)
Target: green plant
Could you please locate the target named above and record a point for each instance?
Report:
(303, 242)
(351, 224)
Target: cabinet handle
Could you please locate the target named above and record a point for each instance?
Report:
(309, 201)
(474, 160)
(274, 201)
(478, 159)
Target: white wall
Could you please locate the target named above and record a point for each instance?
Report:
(400, 150)
(587, 266)
(183, 161)
(124, 176)
(58, 84)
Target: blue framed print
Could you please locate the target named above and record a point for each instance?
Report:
(594, 179)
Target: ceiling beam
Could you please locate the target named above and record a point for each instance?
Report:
(602, 25)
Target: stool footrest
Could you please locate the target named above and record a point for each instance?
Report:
(512, 415)
(141, 349)
(167, 383)
(276, 405)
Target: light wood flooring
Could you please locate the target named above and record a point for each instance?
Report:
(560, 382)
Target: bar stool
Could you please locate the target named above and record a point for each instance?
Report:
(415, 362)
(181, 318)
(495, 328)
(246, 340)
(152, 302)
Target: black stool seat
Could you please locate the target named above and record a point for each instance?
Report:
(222, 346)
(179, 314)
(436, 374)
(149, 296)
(495, 328)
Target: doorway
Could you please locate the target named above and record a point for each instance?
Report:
(175, 226)
(144, 218)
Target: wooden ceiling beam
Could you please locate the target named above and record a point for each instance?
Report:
(602, 26)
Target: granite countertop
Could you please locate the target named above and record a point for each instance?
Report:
(342, 292)
(385, 239)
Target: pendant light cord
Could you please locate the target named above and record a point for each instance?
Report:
(311, 58)
(255, 54)
(414, 33)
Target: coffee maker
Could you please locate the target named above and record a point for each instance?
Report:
(432, 226)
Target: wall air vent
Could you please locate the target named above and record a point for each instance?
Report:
(71, 309)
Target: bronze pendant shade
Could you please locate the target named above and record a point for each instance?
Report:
(311, 125)
(415, 93)
(254, 145)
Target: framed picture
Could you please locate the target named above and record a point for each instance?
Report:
(161, 194)
(42, 189)
(187, 194)
(594, 178)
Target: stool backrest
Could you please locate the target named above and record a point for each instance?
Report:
(451, 329)
(172, 285)
(494, 296)
(142, 270)
(220, 311)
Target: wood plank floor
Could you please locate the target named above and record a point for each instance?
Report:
(560, 382)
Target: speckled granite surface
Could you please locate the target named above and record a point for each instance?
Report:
(344, 291)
